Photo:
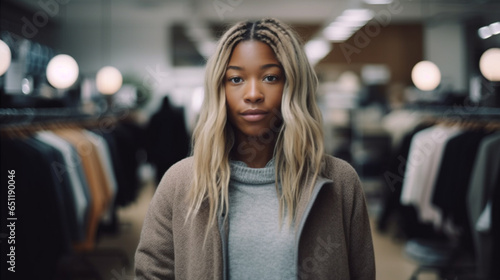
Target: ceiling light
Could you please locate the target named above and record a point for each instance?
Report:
(108, 80)
(357, 15)
(487, 31)
(62, 71)
(332, 31)
(353, 19)
(488, 64)
(484, 32)
(347, 23)
(495, 28)
(317, 49)
(338, 40)
(5, 57)
(338, 37)
(426, 75)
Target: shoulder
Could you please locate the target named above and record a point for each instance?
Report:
(180, 170)
(344, 179)
(338, 170)
(177, 178)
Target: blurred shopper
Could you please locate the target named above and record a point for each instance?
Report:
(258, 199)
(167, 138)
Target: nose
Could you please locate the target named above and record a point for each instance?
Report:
(253, 93)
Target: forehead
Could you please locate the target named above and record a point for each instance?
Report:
(252, 51)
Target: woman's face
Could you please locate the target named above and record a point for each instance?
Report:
(254, 84)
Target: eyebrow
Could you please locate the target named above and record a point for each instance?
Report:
(265, 66)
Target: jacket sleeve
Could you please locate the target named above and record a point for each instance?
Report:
(361, 254)
(154, 258)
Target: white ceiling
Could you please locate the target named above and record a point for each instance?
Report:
(147, 12)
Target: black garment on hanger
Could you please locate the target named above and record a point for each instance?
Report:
(452, 184)
(167, 138)
(129, 139)
(42, 236)
(495, 228)
(55, 162)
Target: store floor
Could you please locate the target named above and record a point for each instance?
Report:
(390, 261)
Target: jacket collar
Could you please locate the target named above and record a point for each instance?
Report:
(304, 206)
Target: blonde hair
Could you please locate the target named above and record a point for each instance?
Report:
(299, 146)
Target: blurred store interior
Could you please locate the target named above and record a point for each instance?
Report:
(409, 91)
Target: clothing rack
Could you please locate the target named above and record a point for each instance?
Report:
(30, 120)
(30, 115)
(446, 257)
(487, 118)
(13, 116)
(472, 112)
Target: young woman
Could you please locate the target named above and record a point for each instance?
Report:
(258, 199)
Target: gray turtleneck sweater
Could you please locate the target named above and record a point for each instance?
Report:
(257, 247)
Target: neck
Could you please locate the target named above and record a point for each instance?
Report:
(254, 152)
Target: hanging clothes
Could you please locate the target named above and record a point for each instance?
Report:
(495, 228)
(98, 182)
(167, 138)
(104, 157)
(447, 168)
(111, 221)
(130, 139)
(452, 185)
(424, 159)
(72, 168)
(407, 218)
(483, 185)
(67, 184)
(42, 232)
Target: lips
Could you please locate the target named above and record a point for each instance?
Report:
(253, 115)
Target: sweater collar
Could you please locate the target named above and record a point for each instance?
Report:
(240, 172)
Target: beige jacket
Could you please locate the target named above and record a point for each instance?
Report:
(333, 231)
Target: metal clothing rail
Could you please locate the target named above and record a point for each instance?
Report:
(457, 111)
(27, 116)
(30, 115)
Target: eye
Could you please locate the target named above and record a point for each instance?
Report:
(235, 80)
(271, 78)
